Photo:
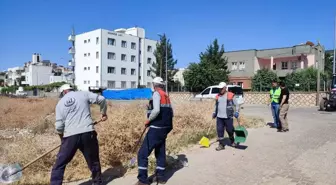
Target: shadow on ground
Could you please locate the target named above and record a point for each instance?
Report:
(174, 164)
(110, 174)
(227, 142)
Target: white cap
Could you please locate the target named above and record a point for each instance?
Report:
(65, 87)
(222, 85)
(158, 80)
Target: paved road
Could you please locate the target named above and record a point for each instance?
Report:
(305, 155)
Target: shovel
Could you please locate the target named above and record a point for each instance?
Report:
(13, 172)
(133, 160)
(205, 142)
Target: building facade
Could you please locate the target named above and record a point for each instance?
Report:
(116, 59)
(245, 63)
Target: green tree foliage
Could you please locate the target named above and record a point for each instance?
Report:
(328, 66)
(306, 78)
(262, 80)
(159, 66)
(48, 87)
(211, 70)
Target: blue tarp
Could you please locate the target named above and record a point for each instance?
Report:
(128, 94)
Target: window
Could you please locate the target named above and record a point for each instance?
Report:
(149, 60)
(215, 90)
(133, 84)
(88, 40)
(97, 54)
(149, 48)
(240, 84)
(284, 65)
(111, 42)
(132, 71)
(88, 54)
(97, 83)
(84, 41)
(123, 44)
(88, 68)
(97, 69)
(234, 66)
(84, 68)
(149, 85)
(148, 72)
(133, 46)
(241, 65)
(88, 81)
(294, 65)
(84, 81)
(111, 84)
(111, 56)
(84, 54)
(123, 57)
(111, 70)
(123, 71)
(274, 66)
(123, 84)
(97, 40)
(206, 91)
(132, 58)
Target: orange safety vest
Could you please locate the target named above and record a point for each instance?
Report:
(165, 117)
(229, 104)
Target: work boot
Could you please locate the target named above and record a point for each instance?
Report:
(234, 145)
(220, 147)
(157, 180)
(140, 183)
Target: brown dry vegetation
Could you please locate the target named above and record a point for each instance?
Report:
(117, 136)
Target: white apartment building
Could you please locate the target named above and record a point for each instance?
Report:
(14, 76)
(118, 59)
(37, 72)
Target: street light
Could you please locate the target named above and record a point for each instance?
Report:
(166, 43)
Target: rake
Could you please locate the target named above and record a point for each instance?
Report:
(13, 172)
(133, 160)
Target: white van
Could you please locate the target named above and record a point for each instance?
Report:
(212, 91)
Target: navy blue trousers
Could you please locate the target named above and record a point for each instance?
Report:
(87, 143)
(222, 125)
(155, 140)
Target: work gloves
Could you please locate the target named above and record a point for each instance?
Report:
(236, 114)
(214, 115)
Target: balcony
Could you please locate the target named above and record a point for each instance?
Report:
(72, 51)
(71, 38)
(71, 63)
(24, 83)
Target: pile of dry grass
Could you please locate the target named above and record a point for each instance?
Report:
(117, 137)
(18, 113)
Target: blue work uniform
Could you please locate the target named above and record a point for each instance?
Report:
(161, 123)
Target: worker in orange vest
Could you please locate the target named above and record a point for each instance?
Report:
(160, 123)
(224, 112)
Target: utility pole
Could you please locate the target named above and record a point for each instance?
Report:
(318, 83)
(334, 47)
(166, 66)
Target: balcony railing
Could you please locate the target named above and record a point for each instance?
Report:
(72, 51)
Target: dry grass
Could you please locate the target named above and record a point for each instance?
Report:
(117, 136)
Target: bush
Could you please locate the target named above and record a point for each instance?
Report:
(262, 80)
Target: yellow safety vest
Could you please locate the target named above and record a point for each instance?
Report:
(275, 95)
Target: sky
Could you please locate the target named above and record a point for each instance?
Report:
(43, 26)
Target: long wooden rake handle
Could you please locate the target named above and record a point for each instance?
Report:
(138, 142)
(46, 153)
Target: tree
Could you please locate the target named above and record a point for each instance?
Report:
(328, 65)
(211, 70)
(262, 80)
(159, 66)
(306, 78)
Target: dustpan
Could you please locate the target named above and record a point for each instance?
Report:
(240, 133)
(205, 142)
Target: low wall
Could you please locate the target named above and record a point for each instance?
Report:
(297, 99)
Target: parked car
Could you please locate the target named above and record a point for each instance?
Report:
(212, 91)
